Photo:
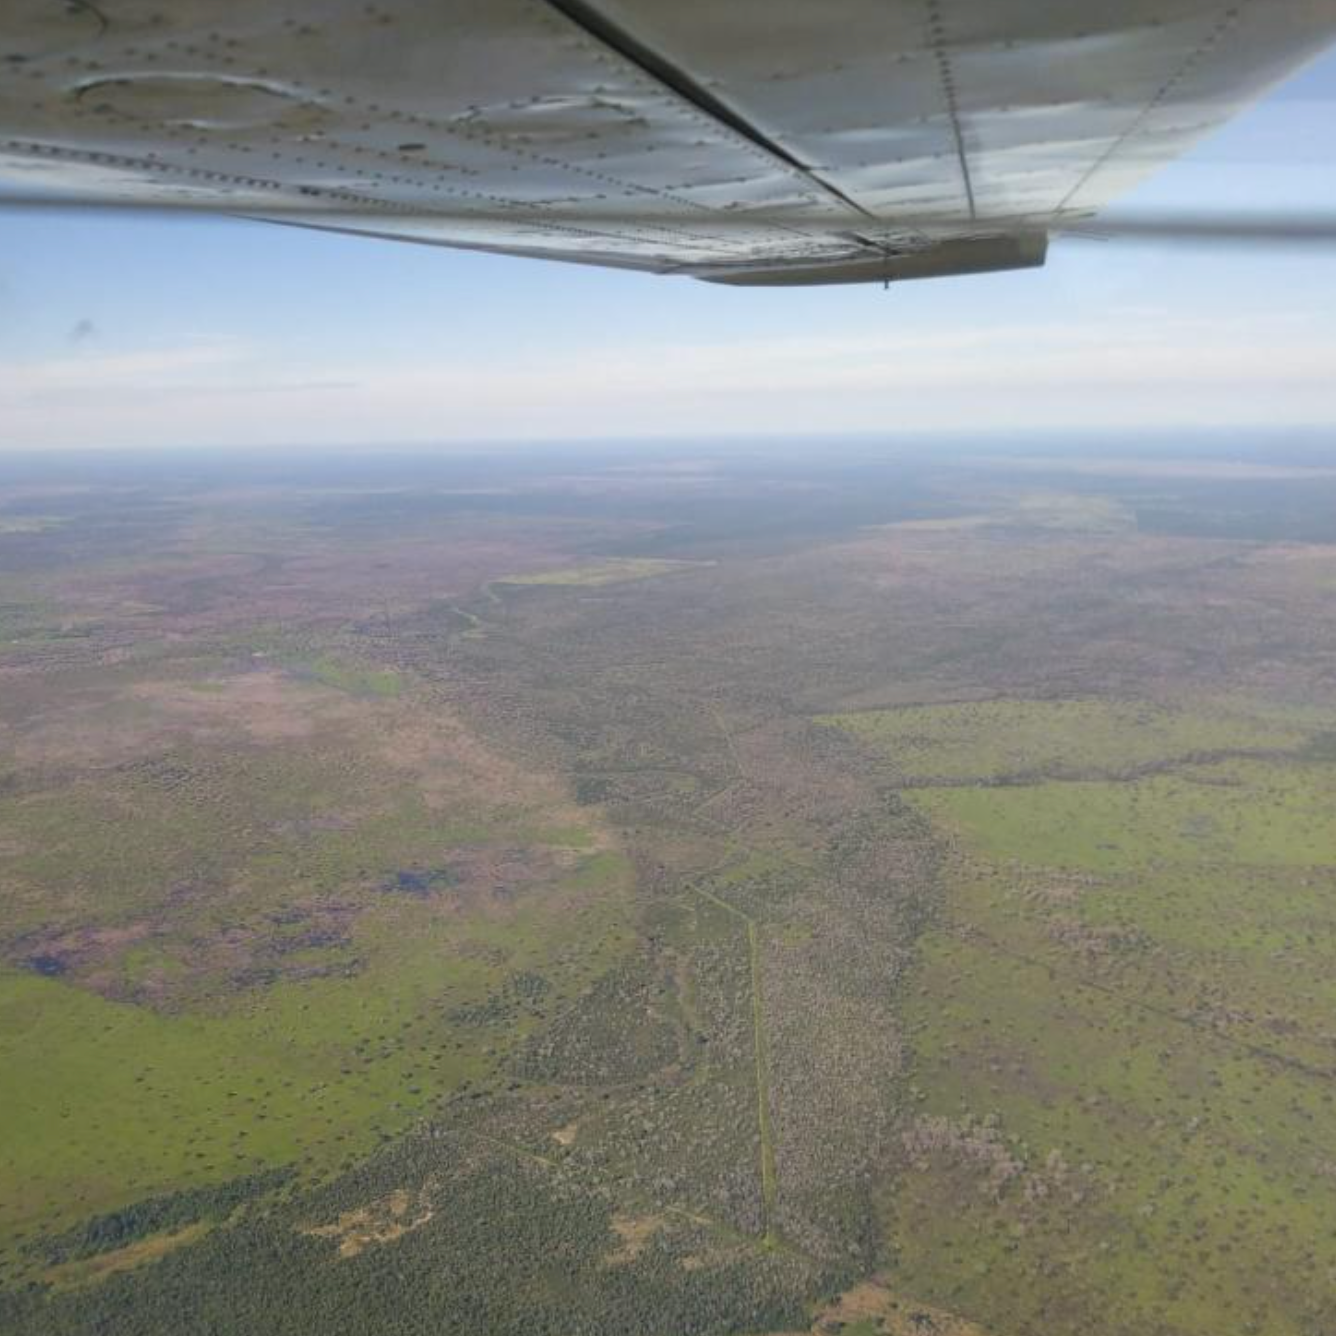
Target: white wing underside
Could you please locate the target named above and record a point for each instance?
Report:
(764, 141)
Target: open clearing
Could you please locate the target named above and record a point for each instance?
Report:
(601, 572)
(1124, 1054)
(998, 739)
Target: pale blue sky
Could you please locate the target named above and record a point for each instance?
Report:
(148, 332)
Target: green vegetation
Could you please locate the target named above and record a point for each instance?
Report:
(356, 681)
(1123, 1055)
(159, 1215)
(914, 915)
(981, 740)
(117, 1101)
(441, 1233)
(233, 958)
(764, 1131)
(90, 1270)
(1229, 813)
(613, 571)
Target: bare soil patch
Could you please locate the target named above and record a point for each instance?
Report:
(380, 1221)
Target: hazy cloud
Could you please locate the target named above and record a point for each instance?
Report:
(1137, 368)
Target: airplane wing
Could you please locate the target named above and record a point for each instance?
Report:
(743, 141)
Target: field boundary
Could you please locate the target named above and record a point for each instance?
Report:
(769, 1174)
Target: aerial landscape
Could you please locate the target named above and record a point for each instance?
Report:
(766, 889)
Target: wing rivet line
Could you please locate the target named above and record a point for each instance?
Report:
(939, 45)
(1228, 19)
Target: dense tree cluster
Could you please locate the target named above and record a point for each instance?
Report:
(158, 1215)
(507, 1248)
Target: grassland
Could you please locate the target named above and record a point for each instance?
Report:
(254, 948)
(1123, 1050)
(119, 1102)
(356, 681)
(594, 574)
(998, 739)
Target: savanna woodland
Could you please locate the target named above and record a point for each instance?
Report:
(772, 890)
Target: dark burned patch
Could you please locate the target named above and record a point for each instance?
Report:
(310, 952)
(1321, 747)
(590, 789)
(301, 941)
(304, 941)
(78, 953)
(265, 976)
(303, 932)
(420, 882)
(163, 772)
(474, 877)
(49, 966)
